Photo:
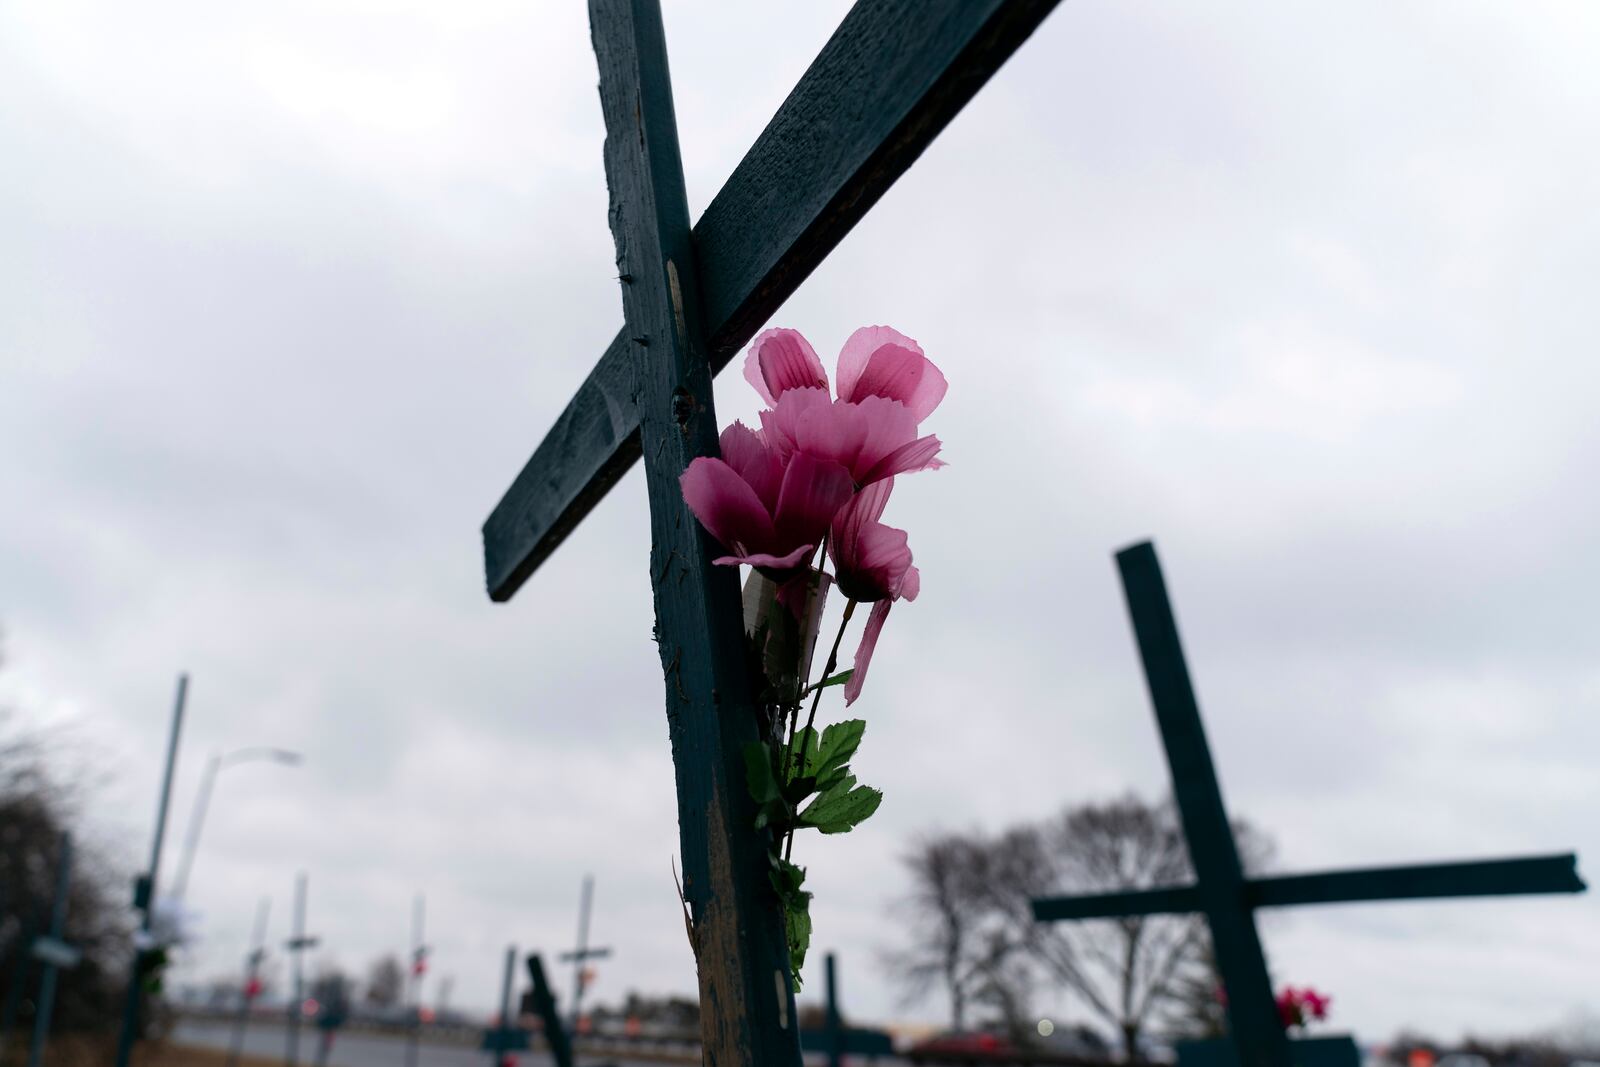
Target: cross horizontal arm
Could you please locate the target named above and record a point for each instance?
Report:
(1117, 905)
(585, 954)
(887, 82)
(1475, 878)
(1482, 878)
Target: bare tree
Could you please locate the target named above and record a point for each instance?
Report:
(960, 942)
(1130, 972)
(386, 981)
(36, 809)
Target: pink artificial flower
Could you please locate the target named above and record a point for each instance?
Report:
(874, 439)
(781, 360)
(875, 361)
(1316, 1003)
(879, 361)
(769, 512)
(1289, 1008)
(872, 563)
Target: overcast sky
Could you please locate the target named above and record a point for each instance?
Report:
(288, 293)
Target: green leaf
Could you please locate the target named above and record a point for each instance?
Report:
(841, 808)
(758, 773)
(798, 789)
(838, 679)
(828, 761)
(787, 878)
(771, 807)
(797, 930)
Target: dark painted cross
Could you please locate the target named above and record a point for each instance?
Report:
(507, 1037)
(298, 944)
(542, 1002)
(580, 956)
(1221, 892)
(54, 953)
(887, 82)
(835, 1039)
(252, 980)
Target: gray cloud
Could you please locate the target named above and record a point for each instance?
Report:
(286, 300)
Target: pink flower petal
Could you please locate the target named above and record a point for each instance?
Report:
(747, 453)
(726, 505)
(869, 641)
(868, 503)
(781, 360)
(812, 493)
(913, 456)
(910, 585)
(768, 560)
(903, 375)
(857, 352)
(798, 413)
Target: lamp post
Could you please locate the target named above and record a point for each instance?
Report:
(180, 880)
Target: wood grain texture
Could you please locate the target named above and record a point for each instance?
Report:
(887, 82)
(1476, 878)
(1116, 905)
(1219, 890)
(746, 1003)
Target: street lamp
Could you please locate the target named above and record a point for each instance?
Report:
(283, 756)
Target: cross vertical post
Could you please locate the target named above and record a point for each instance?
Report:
(832, 1025)
(737, 929)
(543, 1003)
(47, 983)
(252, 978)
(1221, 891)
(583, 953)
(505, 1000)
(1257, 1032)
(144, 894)
(419, 964)
(297, 944)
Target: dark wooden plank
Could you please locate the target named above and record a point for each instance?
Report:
(1117, 905)
(1475, 878)
(1482, 878)
(544, 1005)
(593, 444)
(887, 82)
(746, 1001)
(1252, 1015)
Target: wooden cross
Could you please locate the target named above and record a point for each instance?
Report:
(1221, 891)
(835, 1039)
(297, 945)
(502, 1040)
(54, 953)
(414, 973)
(252, 980)
(886, 83)
(580, 956)
(542, 1002)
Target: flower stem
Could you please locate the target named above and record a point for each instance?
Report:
(805, 735)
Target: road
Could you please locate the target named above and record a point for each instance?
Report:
(360, 1050)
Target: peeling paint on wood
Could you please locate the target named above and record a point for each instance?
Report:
(734, 917)
(887, 82)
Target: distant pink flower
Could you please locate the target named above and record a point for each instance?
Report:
(1298, 1007)
(769, 512)
(872, 563)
